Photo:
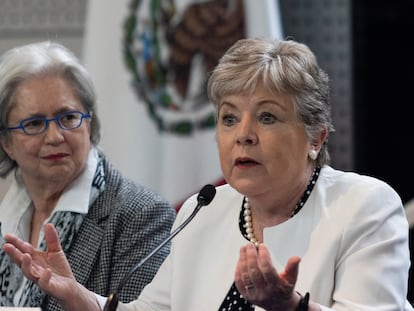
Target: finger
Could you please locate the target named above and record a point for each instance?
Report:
(253, 270)
(268, 271)
(52, 238)
(45, 278)
(290, 274)
(22, 246)
(241, 267)
(14, 254)
(265, 260)
(243, 279)
(30, 270)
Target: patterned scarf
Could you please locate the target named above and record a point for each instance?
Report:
(67, 225)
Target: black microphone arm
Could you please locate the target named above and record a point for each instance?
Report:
(205, 196)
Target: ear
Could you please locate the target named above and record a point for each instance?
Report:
(5, 143)
(317, 143)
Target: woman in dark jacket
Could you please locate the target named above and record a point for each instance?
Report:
(49, 140)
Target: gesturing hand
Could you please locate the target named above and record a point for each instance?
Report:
(49, 269)
(260, 283)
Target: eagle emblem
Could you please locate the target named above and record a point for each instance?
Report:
(169, 49)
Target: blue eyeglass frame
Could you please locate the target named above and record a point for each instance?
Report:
(47, 121)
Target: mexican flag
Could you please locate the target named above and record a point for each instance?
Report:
(149, 61)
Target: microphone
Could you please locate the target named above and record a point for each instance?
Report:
(204, 197)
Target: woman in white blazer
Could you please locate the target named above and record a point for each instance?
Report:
(288, 231)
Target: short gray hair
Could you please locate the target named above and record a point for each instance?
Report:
(282, 67)
(38, 60)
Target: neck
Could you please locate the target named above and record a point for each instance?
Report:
(254, 227)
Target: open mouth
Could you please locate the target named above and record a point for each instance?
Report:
(245, 162)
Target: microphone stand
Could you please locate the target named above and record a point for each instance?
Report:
(203, 199)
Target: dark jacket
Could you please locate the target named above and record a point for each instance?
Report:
(125, 223)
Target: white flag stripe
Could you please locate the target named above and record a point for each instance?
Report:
(129, 137)
(263, 18)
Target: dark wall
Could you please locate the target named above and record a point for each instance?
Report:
(383, 86)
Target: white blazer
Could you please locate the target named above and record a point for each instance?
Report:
(352, 236)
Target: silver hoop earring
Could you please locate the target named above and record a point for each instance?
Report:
(313, 154)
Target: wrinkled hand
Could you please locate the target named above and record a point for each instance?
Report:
(50, 270)
(260, 283)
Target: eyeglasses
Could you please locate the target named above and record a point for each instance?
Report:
(68, 120)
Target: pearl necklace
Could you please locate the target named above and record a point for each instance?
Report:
(247, 213)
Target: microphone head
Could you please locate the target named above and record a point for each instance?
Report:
(206, 194)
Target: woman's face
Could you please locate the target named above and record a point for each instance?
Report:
(56, 155)
(262, 144)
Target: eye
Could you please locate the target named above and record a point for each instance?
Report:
(70, 120)
(70, 116)
(229, 119)
(267, 118)
(33, 123)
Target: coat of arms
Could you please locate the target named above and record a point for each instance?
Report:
(170, 47)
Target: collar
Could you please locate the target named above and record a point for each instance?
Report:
(16, 207)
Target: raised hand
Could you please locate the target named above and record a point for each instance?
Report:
(49, 269)
(260, 283)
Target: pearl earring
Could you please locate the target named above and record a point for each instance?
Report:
(313, 154)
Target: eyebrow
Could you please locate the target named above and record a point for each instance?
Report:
(260, 103)
(57, 112)
(272, 102)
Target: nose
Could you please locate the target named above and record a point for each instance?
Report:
(53, 133)
(247, 134)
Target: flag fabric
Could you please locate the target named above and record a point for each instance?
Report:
(149, 62)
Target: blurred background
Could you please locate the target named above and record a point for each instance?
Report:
(363, 45)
